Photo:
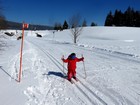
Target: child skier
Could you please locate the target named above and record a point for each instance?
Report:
(71, 60)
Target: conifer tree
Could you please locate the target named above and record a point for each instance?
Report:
(65, 25)
(93, 24)
(109, 19)
(129, 18)
(84, 23)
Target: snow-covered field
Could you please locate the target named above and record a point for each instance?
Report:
(112, 64)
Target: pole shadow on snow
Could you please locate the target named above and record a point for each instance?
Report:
(6, 72)
(59, 74)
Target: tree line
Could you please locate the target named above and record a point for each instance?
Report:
(67, 25)
(3, 23)
(130, 18)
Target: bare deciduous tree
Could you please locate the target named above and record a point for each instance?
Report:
(74, 23)
(3, 24)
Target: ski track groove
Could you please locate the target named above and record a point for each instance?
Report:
(56, 62)
(113, 96)
(123, 100)
(54, 59)
(112, 54)
(120, 56)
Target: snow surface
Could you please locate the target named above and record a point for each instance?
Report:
(112, 64)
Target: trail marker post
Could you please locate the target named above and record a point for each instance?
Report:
(24, 25)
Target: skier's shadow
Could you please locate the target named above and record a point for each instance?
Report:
(59, 74)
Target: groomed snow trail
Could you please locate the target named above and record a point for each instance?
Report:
(106, 83)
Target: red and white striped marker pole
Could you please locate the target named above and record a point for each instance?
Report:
(21, 50)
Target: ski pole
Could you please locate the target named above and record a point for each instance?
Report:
(63, 63)
(63, 69)
(84, 68)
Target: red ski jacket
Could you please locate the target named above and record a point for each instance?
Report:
(72, 62)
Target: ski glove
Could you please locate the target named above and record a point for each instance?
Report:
(82, 58)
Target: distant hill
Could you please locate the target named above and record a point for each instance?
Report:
(18, 26)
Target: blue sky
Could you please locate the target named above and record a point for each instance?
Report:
(47, 12)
